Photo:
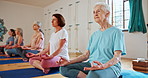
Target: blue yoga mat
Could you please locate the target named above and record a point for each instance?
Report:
(133, 74)
(11, 61)
(9, 57)
(26, 73)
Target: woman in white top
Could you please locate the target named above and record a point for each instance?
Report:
(57, 47)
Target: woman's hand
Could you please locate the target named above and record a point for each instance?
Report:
(25, 48)
(30, 55)
(99, 66)
(8, 47)
(63, 62)
(45, 56)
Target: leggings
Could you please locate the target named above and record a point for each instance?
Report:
(23, 52)
(45, 63)
(2, 50)
(72, 70)
(11, 51)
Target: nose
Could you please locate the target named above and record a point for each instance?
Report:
(52, 21)
(95, 14)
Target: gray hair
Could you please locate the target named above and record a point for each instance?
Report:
(38, 23)
(105, 6)
(20, 30)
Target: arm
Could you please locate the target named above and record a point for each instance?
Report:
(20, 39)
(81, 58)
(38, 42)
(40, 53)
(29, 45)
(113, 61)
(45, 50)
(61, 43)
(10, 43)
(63, 61)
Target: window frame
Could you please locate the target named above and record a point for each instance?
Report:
(123, 13)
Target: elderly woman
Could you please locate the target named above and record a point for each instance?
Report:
(37, 42)
(57, 47)
(104, 51)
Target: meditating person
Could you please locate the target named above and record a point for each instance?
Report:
(9, 50)
(37, 42)
(104, 51)
(10, 40)
(57, 47)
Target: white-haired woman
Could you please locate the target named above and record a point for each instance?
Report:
(105, 48)
(37, 42)
(9, 50)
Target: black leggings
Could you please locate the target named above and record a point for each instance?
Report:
(2, 50)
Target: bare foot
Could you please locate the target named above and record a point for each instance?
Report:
(46, 70)
(25, 59)
(7, 55)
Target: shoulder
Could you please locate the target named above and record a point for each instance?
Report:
(19, 37)
(40, 34)
(95, 33)
(116, 29)
(117, 32)
(64, 31)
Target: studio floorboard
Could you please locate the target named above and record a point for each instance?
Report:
(126, 64)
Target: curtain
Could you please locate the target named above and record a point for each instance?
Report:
(136, 22)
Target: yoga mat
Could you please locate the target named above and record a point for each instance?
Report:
(9, 57)
(11, 61)
(26, 73)
(133, 74)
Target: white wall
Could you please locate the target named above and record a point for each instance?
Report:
(18, 15)
(75, 14)
(81, 14)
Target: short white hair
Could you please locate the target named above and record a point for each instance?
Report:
(38, 23)
(105, 6)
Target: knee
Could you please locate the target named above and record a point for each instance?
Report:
(64, 71)
(92, 74)
(31, 60)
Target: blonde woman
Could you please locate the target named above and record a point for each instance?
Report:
(9, 50)
(37, 42)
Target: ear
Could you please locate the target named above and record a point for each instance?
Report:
(107, 14)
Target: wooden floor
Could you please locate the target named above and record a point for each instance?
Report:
(126, 64)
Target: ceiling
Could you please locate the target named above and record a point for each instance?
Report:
(39, 3)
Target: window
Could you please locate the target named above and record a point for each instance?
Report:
(120, 13)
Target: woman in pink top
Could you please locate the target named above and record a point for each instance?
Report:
(57, 47)
(36, 45)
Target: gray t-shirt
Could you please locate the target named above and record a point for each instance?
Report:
(10, 39)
